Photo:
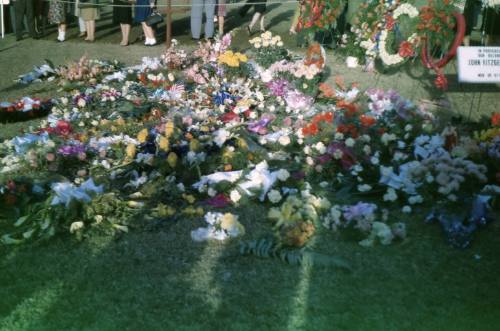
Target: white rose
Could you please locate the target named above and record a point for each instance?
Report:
(211, 192)
(364, 188)
(235, 196)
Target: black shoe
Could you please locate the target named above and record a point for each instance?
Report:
(249, 31)
(19, 38)
(36, 36)
(195, 39)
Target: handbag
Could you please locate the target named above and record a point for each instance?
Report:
(154, 18)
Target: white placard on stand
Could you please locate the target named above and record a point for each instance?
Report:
(479, 64)
(2, 3)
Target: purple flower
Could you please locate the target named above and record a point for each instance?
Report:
(279, 87)
(260, 126)
(69, 150)
(359, 211)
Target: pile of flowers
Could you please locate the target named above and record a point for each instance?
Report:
(187, 137)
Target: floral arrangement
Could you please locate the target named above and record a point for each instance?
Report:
(200, 141)
(319, 15)
(25, 108)
(268, 49)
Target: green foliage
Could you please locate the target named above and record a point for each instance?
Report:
(269, 248)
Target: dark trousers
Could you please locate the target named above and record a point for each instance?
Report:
(24, 7)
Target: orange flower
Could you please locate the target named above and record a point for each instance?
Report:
(327, 90)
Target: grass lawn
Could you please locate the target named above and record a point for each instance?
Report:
(156, 278)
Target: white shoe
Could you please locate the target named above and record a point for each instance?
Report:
(150, 42)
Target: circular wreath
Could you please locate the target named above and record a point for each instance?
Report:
(406, 47)
(459, 37)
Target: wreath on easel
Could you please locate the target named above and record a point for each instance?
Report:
(439, 22)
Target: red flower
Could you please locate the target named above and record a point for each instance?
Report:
(63, 128)
(229, 117)
(390, 22)
(495, 119)
(367, 121)
(219, 201)
(406, 49)
(441, 82)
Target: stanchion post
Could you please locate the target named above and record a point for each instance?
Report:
(169, 23)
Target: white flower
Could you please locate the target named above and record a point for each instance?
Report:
(406, 209)
(274, 196)
(220, 136)
(415, 199)
(81, 102)
(211, 192)
(75, 226)
(320, 147)
(283, 175)
(364, 188)
(390, 195)
(235, 196)
(349, 142)
(284, 140)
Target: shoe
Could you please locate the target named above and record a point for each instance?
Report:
(124, 44)
(195, 39)
(82, 34)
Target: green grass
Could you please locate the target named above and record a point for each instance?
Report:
(158, 279)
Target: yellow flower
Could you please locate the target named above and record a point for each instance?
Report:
(120, 121)
(169, 128)
(189, 198)
(194, 145)
(130, 150)
(172, 159)
(228, 221)
(143, 135)
(164, 144)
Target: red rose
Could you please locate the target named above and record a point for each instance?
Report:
(390, 22)
(63, 128)
(229, 117)
(406, 49)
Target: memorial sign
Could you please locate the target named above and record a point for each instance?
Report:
(479, 64)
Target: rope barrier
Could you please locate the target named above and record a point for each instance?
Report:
(232, 4)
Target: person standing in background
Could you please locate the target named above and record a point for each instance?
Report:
(221, 14)
(57, 15)
(197, 7)
(122, 14)
(25, 7)
(89, 12)
(81, 23)
(143, 9)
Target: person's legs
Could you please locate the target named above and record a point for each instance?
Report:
(262, 27)
(91, 30)
(30, 16)
(196, 18)
(221, 25)
(255, 18)
(62, 32)
(209, 13)
(295, 19)
(19, 7)
(81, 26)
(125, 34)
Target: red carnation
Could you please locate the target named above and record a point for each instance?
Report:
(495, 119)
(406, 49)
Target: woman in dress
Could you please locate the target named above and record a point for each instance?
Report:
(143, 9)
(89, 12)
(57, 15)
(122, 14)
(260, 9)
